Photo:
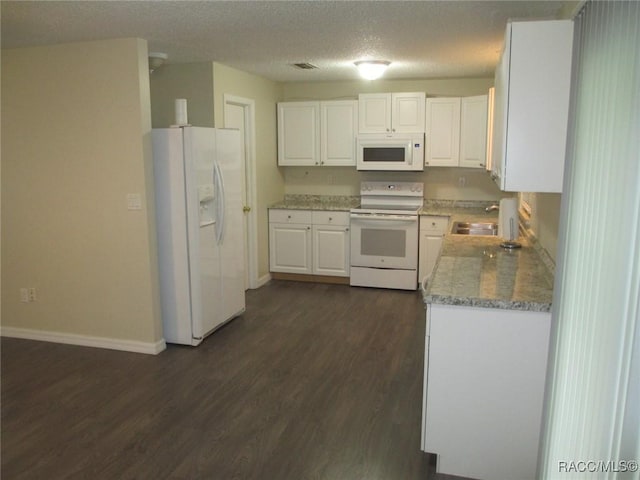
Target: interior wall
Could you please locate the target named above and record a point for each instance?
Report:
(440, 87)
(545, 220)
(192, 81)
(270, 180)
(75, 144)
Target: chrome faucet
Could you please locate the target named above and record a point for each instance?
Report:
(492, 208)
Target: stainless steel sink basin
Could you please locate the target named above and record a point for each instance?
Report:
(480, 228)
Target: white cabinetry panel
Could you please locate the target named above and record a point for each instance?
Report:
(456, 132)
(338, 131)
(532, 87)
(432, 229)
(391, 112)
(309, 242)
(298, 133)
(484, 390)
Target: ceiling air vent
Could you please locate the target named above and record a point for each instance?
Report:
(304, 66)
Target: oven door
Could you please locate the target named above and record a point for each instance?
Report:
(384, 241)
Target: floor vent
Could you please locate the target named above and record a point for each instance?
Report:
(304, 66)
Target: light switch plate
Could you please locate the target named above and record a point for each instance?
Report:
(134, 201)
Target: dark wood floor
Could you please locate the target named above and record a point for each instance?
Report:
(312, 382)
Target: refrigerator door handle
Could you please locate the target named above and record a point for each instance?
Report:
(219, 183)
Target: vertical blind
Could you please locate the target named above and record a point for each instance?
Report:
(592, 408)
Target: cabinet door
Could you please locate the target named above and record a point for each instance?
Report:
(429, 251)
(407, 115)
(290, 248)
(490, 108)
(473, 132)
(299, 133)
(338, 130)
(532, 87)
(374, 113)
(331, 246)
(500, 99)
(443, 132)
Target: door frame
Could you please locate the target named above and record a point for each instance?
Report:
(249, 108)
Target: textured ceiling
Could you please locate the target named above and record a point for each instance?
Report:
(423, 39)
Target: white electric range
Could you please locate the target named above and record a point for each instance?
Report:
(384, 235)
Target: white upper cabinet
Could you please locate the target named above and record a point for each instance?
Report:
(338, 131)
(299, 133)
(473, 132)
(456, 132)
(317, 133)
(391, 112)
(443, 132)
(532, 86)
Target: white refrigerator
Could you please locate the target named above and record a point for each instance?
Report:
(198, 189)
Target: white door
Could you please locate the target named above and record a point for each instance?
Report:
(239, 113)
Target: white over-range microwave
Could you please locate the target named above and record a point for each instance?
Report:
(391, 151)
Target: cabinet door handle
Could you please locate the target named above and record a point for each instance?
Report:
(346, 229)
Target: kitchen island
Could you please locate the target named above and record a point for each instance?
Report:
(488, 321)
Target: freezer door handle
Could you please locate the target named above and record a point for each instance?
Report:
(219, 183)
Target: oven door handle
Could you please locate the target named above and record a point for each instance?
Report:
(385, 218)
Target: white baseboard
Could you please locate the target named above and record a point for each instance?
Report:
(262, 281)
(84, 340)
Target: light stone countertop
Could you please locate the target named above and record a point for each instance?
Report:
(475, 271)
(472, 270)
(318, 202)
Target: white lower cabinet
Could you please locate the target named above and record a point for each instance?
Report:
(309, 242)
(484, 380)
(432, 229)
(290, 241)
(331, 243)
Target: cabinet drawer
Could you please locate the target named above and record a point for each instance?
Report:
(432, 224)
(289, 216)
(330, 218)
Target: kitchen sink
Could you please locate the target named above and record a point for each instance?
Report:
(480, 228)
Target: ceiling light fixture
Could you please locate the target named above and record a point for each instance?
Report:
(372, 69)
(156, 60)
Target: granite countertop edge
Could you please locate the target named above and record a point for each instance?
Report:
(501, 304)
(342, 203)
(541, 275)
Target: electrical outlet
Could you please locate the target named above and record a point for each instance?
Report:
(32, 294)
(24, 295)
(462, 181)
